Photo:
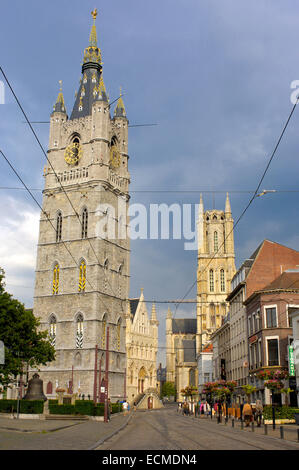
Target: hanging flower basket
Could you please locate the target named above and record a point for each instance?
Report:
(273, 384)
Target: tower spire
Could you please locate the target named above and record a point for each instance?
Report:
(59, 106)
(92, 54)
(120, 110)
(90, 84)
(227, 205)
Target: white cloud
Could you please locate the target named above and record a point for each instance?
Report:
(19, 228)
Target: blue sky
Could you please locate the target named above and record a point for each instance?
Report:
(215, 75)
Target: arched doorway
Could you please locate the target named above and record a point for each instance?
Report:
(150, 403)
(141, 380)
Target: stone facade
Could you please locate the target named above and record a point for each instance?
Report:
(141, 347)
(186, 338)
(82, 268)
(215, 269)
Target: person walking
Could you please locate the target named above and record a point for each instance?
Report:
(109, 409)
(259, 412)
(247, 413)
(125, 407)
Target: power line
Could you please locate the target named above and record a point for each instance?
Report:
(251, 200)
(58, 179)
(46, 215)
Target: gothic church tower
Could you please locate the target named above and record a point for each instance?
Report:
(82, 275)
(215, 269)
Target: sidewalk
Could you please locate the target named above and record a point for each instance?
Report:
(87, 434)
(290, 431)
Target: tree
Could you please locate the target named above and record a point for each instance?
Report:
(248, 390)
(168, 389)
(19, 332)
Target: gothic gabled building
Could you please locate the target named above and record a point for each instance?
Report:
(142, 348)
(82, 269)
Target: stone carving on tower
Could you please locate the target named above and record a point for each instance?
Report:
(82, 275)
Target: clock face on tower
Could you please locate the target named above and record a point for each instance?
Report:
(114, 157)
(73, 153)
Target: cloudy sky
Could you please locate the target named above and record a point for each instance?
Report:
(214, 75)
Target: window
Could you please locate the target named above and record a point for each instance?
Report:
(215, 241)
(222, 280)
(271, 320)
(104, 324)
(249, 326)
(52, 333)
(55, 288)
(84, 223)
(105, 281)
(272, 349)
(211, 280)
(212, 316)
(79, 332)
(118, 330)
(82, 276)
(59, 227)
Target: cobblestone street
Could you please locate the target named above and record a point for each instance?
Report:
(163, 429)
(167, 430)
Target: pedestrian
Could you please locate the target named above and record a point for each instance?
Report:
(202, 409)
(125, 407)
(259, 412)
(109, 409)
(247, 412)
(241, 410)
(179, 407)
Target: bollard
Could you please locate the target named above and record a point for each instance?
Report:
(266, 429)
(242, 424)
(252, 426)
(298, 435)
(281, 432)
(233, 423)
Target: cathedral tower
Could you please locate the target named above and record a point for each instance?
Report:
(82, 270)
(215, 269)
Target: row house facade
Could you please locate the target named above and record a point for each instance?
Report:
(246, 343)
(270, 332)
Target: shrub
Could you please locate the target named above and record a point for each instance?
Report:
(25, 406)
(281, 412)
(84, 407)
(56, 409)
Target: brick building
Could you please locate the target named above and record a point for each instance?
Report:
(270, 330)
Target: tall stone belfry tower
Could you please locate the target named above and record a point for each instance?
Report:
(215, 269)
(82, 275)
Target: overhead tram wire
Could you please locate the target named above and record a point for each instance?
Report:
(195, 191)
(62, 187)
(251, 200)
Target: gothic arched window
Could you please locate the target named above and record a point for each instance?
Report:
(222, 280)
(212, 316)
(55, 289)
(104, 325)
(215, 241)
(211, 280)
(82, 276)
(105, 283)
(59, 227)
(84, 223)
(52, 332)
(118, 331)
(79, 332)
